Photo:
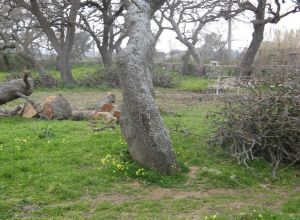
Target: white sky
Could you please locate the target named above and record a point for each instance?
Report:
(241, 33)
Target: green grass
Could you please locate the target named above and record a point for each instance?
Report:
(193, 84)
(63, 170)
(79, 71)
(2, 76)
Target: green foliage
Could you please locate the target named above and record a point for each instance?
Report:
(79, 71)
(13, 62)
(124, 166)
(162, 77)
(46, 132)
(292, 205)
(193, 83)
(2, 76)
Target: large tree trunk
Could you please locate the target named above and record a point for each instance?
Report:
(198, 59)
(257, 38)
(106, 58)
(64, 67)
(148, 140)
(248, 59)
(186, 63)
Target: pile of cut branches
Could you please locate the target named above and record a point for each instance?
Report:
(263, 123)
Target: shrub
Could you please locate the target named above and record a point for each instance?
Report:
(46, 81)
(107, 77)
(13, 62)
(263, 123)
(161, 77)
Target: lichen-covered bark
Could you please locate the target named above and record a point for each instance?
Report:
(148, 140)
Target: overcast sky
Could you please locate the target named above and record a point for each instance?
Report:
(241, 33)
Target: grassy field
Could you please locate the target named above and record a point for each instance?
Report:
(78, 71)
(193, 83)
(64, 170)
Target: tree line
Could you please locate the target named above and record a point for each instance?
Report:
(27, 25)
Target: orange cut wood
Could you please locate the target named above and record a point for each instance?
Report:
(50, 98)
(117, 114)
(29, 111)
(108, 107)
(57, 107)
(48, 111)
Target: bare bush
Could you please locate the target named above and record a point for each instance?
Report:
(107, 77)
(46, 81)
(162, 77)
(264, 123)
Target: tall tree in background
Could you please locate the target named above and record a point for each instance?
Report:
(148, 140)
(109, 33)
(159, 20)
(275, 12)
(19, 30)
(82, 45)
(187, 19)
(57, 19)
(213, 46)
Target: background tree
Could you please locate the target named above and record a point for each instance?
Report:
(264, 12)
(187, 19)
(57, 19)
(213, 47)
(103, 21)
(82, 45)
(20, 29)
(159, 20)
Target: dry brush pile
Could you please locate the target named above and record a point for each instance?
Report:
(264, 122)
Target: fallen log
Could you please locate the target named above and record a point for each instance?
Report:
(57, 107)
(14, 89)
(78, 115)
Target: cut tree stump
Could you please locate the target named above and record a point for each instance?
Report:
(29, 111)
(12, 89)
(57, 107)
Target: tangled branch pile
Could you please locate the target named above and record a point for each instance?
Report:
(264, 123)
